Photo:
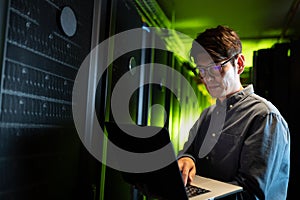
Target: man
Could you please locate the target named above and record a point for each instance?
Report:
(242, 139)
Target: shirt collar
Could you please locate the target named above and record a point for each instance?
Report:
(230, 101)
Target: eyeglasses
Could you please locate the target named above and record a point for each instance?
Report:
(212, 70)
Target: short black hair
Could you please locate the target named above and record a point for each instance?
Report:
(220, 43)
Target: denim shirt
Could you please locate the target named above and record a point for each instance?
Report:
(243, 140)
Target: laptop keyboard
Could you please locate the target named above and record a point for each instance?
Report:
(192, 190)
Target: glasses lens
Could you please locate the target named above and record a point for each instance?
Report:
(215, 70)
(202, 72)
(212, 70)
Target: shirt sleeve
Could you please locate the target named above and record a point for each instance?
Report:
(265, 158)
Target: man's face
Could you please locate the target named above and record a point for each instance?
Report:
(220, 80)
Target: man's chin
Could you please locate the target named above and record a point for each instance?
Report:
(217, 95)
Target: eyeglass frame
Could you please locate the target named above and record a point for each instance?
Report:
(207, 69)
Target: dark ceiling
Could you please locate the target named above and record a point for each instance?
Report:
(252, 19)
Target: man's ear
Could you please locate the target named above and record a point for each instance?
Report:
(240, 63)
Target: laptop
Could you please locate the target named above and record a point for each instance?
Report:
(165, 181)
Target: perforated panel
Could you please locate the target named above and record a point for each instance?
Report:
(39, 146)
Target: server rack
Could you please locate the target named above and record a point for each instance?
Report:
(275, 78)
(43, 43)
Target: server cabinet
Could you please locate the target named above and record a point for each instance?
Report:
(293, 111)
(159, 94)
(271, 75)
(43, 43)
(275, 78)
(124, 17)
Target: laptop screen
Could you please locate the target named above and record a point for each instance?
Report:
(162, 183)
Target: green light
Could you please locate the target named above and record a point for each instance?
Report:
(193, 23)
(289, 53)
(249, 46)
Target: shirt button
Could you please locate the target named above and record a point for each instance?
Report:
(217, 112)
(213, 134)
(230, 106)
(207, 157)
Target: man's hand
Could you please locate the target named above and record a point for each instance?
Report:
(187, 168)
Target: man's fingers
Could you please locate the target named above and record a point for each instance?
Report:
(185, 175)
(187, 168)
(192, 174)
